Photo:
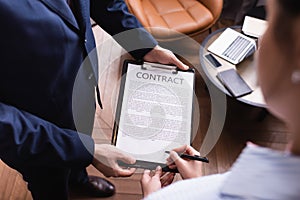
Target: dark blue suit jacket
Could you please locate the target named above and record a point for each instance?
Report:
(41, 49)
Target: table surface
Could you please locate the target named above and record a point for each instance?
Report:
(246, 69)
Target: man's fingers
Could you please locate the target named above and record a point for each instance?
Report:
(164, 56)
(179, 64)
(125, 172)
(127, 159)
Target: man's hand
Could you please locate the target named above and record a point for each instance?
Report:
(105, 160)
(164, 56)
(186, 168)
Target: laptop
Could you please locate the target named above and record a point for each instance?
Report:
(233, 46)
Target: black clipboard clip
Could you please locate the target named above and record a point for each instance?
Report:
(155, 66)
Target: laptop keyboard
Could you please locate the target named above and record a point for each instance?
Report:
(236, 48)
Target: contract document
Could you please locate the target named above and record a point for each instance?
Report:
(154, 111)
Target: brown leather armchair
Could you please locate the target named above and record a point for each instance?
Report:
(163, 18)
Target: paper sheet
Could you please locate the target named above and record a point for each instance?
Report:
(156, 112)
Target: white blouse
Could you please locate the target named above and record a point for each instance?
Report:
(258, 173)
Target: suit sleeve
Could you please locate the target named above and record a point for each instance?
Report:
(28, 141)
(113, 16)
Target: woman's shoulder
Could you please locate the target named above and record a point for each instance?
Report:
(264, 173)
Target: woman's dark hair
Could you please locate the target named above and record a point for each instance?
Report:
(290, 7)
(288, 11)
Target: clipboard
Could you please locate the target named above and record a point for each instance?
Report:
(154, 112)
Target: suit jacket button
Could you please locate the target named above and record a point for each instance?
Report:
(85, 40)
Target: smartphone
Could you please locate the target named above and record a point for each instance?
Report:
(234, 83)
(212, 60)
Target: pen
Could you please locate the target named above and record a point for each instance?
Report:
(194, 157)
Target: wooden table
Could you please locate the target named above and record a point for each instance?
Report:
(246, 69)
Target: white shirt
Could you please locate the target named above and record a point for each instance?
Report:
(258, 173)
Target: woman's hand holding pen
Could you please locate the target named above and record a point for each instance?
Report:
(186, 168)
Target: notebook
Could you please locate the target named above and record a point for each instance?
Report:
(254, 27)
